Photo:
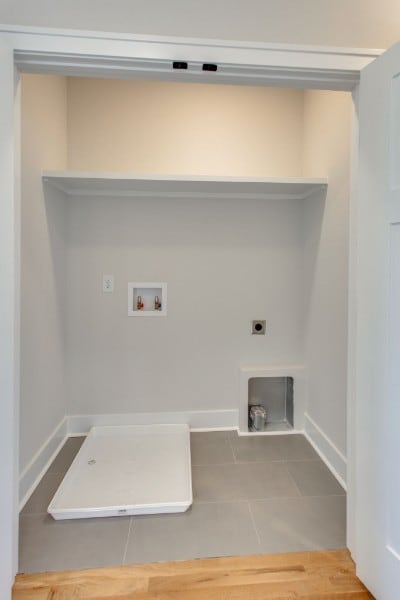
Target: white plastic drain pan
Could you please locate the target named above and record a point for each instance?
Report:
(133, 470)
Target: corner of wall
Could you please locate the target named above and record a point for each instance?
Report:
(327, 153)
(43, 249)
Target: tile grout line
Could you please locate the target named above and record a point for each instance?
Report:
(232, 450)
(127, 541)
(301, 459)
(293, 481)
(232, 501)
(244, 462)
(286, 498)
(254, 524)
(41, 513)
(267, 498)
(208, 464)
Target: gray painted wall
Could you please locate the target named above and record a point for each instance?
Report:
(326, 229)
(226, 262)
(43, 262)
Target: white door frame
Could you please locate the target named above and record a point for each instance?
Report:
(63, 52)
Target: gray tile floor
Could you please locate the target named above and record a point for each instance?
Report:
(251, 495)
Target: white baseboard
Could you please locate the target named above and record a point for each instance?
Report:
(326, 449)
(200, 420)
(269, 433)
(36, 468)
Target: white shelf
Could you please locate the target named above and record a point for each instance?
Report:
(128, 185)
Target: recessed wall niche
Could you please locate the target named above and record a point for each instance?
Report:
(147, 299)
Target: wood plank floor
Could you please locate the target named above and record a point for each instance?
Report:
(327, 575)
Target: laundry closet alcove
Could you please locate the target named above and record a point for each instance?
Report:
(236, 199)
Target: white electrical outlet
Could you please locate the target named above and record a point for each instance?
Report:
(108, 283)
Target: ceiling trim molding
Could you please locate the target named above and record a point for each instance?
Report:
(95, 54)
(139, 68)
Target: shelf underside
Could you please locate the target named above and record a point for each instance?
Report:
(128, 185)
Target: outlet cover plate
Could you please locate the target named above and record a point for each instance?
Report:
(258, 327)
(108, 283)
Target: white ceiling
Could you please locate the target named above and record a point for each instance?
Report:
(349, 23)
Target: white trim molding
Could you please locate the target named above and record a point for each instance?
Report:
(38, 465)
(326, 449)
(10, 226)
(200, 420)
(95, 54)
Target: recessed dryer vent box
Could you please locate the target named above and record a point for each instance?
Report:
(280, 391)
(275, 395)
(147, 299)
